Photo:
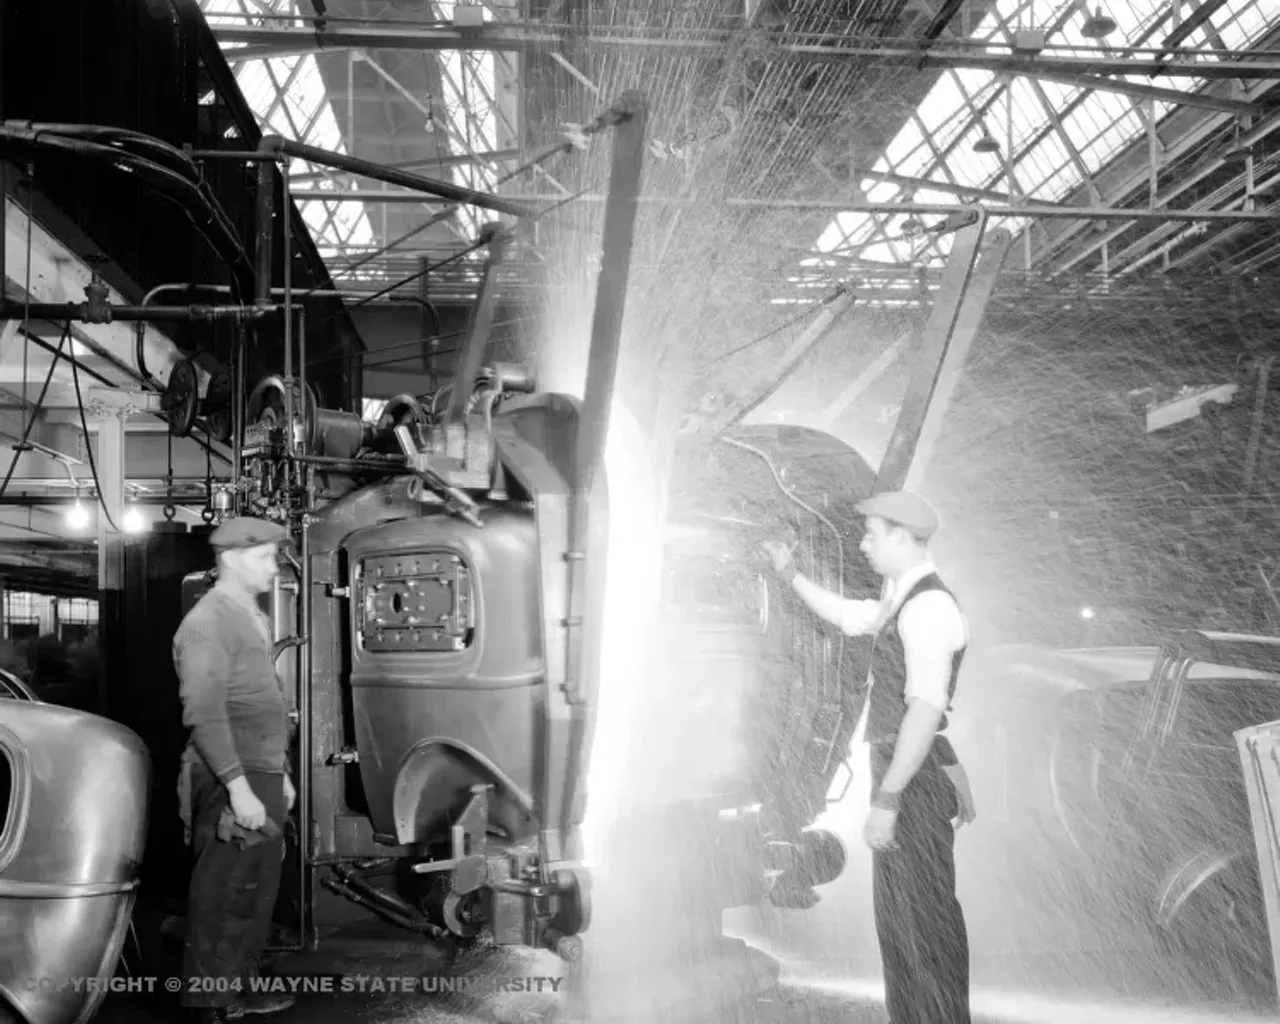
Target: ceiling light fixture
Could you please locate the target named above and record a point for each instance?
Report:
(986, 144)
(78, 516)
(1099, 26)
(134, 521)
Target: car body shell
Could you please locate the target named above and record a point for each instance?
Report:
(70, 853)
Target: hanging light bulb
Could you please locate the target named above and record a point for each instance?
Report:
(1099, 26)
(134, 521)
(78, 516)
(986, 144)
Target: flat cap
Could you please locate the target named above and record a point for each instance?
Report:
(247, 532)
(904, 509)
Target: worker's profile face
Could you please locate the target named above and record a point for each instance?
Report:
(878, 544)
(254, 567)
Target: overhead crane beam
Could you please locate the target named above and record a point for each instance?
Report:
(267, 43)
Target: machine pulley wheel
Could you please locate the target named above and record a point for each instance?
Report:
(219, 394)
(181, 400)
(402, 410)
(573, 915)
(219, 424)
(459, 912)
(266, 403)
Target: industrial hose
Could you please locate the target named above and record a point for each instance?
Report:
(177, 179)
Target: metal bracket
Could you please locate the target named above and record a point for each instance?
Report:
(468, 864)
(113, 401)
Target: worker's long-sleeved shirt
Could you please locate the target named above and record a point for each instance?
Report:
(231, 698)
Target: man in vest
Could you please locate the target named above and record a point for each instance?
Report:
(234, 791)
(920, 640)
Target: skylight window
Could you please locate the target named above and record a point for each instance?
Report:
(1050, 160)
(288, 98)
(469, 80)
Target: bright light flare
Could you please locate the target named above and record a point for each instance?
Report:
(78, 517)
(630, 608)
(1087, 613)
(134, 521)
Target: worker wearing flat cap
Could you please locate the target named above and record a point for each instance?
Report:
(234, 790)
(920, 640)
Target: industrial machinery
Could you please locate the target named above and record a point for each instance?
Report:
(1145, 782)
(792, 687)
(1261, 762)
(434, 619)
(782, 692)
(73, 813)
(437, 620)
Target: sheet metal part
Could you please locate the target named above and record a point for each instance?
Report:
(69, 864)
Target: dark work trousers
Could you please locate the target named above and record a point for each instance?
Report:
(924, 944)
(233, 892)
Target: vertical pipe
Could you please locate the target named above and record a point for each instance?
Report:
(1008, 136)
(569, 711)
(237, 410)
(1259, 421)
(611, 286)
(286, 224)
(1153, 153)
(1249, 183)
(302, 376)
(305, 827)
(265, 230)
(351, 105)
(263, 265)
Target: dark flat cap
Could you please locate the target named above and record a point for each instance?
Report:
(904, 509)
(247, 532)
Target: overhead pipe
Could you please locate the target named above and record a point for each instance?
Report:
(278, 293)
(478, 331)
(416, 182)
(834, 307)
(105, 313)
(177, 179)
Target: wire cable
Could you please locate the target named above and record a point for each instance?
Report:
(31, 420)
(400, 284)
(88, 447)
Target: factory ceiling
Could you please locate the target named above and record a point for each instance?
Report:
(831, 111)
(794, 145)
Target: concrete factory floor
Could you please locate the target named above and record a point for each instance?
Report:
(1120, 988)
